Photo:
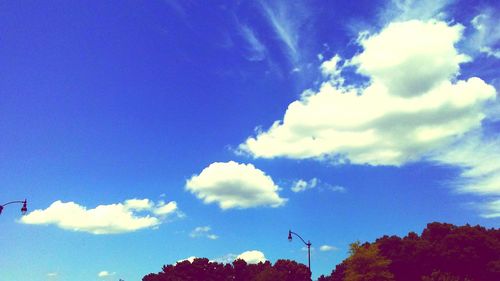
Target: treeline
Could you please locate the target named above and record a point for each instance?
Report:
(443, 252)
(204, 270)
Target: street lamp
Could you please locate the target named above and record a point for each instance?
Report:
(24, 208)
(308, 244)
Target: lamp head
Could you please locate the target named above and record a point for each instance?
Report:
(24, 209)
(290, 235)
(1, 209)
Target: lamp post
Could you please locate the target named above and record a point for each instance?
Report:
(24, 209)
(308, 244)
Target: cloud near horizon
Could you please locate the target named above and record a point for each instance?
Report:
(129, 216)
(234, 185)
(251, 257)
(104, 274)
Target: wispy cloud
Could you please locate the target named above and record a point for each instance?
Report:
(486, 35)
(403, 10)
(203, 231)
(286, 26)
(256, 49)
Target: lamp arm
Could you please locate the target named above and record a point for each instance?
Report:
(12, 202)
(307, 244)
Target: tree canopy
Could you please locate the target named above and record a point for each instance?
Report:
(443, 252)
(203, 269)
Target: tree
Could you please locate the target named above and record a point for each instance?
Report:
(366, 264)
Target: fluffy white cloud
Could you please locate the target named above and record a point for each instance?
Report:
(105, 273)
(327, 248)
(412, 106)
(103, 219)
(253, 256)
(52, 274)
(410, 58)
(203, 231)
(234, 185)
(302, 185)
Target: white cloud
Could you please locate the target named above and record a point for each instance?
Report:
(302, 185)
(424, 49)
(252, 257)
(413, 105)
(327, 248)
(234, 185)
(105, 273)
(52, 274)
(203, 231)
(103, 219)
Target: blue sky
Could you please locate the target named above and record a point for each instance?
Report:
(143, 133)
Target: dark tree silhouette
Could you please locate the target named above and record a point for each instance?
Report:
(201, 269)
(443, 252)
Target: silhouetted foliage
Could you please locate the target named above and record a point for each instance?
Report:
(443, 252)
(203, 269)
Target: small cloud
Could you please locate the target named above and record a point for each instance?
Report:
(52, 274)
(327, 248)
(302, 185)
(337, 188)
(104, 274)
(212, 236)
(203, 231)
